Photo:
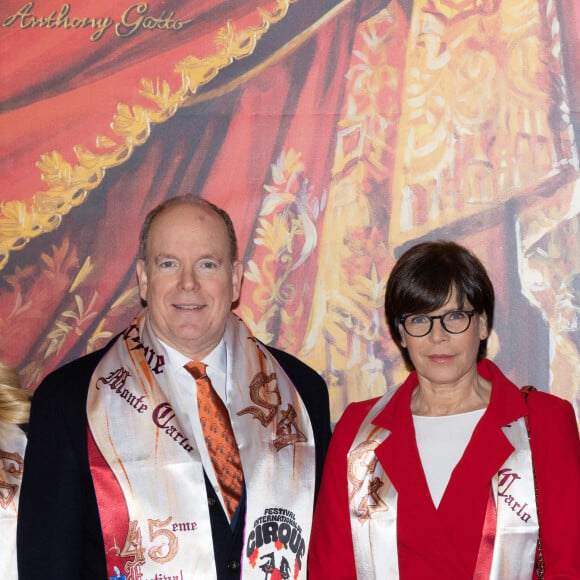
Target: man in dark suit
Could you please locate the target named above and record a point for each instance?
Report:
(125, 475)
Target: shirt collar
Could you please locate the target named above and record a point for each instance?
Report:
(216, 359)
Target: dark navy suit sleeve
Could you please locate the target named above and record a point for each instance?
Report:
(59, 534)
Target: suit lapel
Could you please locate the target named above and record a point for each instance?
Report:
(466, 496)
(418, 522)
(398, 454)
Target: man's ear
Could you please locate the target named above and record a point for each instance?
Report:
(141, 270)
(237, 277)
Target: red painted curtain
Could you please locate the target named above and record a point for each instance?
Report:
(296, 116)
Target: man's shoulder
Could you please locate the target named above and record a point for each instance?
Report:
(289, 361)
(310, 385)
(72, 377)
(302, 376)
(313, 391)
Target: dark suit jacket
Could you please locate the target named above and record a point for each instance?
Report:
(59, 531)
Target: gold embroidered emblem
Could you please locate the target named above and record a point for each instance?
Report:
(288, 432)
(266, 397)
(12, 464)
(7, 493)
(364, 489)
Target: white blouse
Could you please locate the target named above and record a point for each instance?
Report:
(441, 442)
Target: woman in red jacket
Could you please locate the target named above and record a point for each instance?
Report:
(436, 479)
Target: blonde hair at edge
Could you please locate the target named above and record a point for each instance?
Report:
(14, 402)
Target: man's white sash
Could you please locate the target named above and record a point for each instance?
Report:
(143, 433)
(373, 506)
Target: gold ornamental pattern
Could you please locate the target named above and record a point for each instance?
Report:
(69, 185)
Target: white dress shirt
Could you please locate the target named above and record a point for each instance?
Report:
(216, 362)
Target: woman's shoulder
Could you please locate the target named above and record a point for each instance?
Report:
(358, 410)
(548, 406)
(543, 400)
(350, 421)
(552, 422)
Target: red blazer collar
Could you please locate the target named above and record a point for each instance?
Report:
(505, 406)
(468, 487)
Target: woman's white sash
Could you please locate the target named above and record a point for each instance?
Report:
(12, 446)
(373, 506)
(144, 438)
(373, 502)
(516, 536)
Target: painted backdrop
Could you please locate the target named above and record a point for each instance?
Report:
(336, 133)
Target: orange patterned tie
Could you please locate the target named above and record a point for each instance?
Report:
(219, 437)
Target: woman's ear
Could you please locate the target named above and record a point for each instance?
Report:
(402, 335)
(483, 329)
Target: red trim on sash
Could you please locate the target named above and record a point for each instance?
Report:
(485, 555)
(113, 510)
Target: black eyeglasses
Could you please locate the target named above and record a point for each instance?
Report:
(454, 322)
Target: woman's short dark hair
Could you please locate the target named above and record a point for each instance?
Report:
(423, 279)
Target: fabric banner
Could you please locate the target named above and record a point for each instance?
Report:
(336, 134)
